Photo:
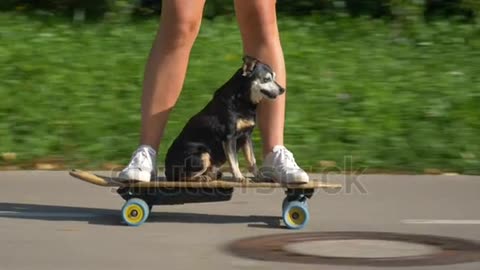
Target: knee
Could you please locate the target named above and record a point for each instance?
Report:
(181, 32)
(267, 33)
(186, 30)
(263, 33)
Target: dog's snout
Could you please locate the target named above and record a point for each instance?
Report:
(281, 90)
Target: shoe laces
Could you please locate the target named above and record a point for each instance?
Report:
(288, 157)
(139, 158)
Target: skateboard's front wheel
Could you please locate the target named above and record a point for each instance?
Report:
(135, 211)
(295, 214)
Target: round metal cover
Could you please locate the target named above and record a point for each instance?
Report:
(358, 248)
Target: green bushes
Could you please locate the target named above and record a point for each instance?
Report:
(429, 9)
(394, 93)
(73, 91)
(94, 9)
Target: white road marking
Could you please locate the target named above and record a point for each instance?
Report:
(443, 221)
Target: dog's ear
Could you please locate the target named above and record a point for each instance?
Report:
(249, 64)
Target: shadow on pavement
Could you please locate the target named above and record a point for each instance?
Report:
(112, 217)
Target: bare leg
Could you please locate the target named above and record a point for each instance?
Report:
(167, 65)
(163, 80)
(258, 26)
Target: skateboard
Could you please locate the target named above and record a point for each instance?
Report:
(140, 197)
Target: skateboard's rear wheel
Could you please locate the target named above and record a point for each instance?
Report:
(295, 214)
(288, 200)
(285, 203)
(135, 211)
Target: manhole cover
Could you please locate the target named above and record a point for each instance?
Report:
(358, 248)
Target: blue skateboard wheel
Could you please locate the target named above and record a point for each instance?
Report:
(135, 212)
(295, 215)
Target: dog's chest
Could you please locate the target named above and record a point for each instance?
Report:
(244, 124)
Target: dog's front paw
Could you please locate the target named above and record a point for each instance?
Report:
(254, 170)
(201, 178)
(244, 180)
(239, 178)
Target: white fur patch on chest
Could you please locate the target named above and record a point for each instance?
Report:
(244, 123)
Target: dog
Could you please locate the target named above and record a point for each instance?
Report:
(214, 135)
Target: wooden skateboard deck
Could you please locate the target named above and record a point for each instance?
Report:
(109, 181)
(140, 197)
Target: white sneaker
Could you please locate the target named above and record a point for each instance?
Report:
(142, 166)
(280, 166)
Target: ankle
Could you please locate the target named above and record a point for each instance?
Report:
(272, 149)
(268, 149)
(149, 148)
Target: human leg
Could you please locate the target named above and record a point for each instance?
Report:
(167, 65)
(163, 79)
(258, 26)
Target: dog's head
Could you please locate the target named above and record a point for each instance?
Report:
(261, 79)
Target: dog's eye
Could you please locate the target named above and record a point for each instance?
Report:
(267, 79)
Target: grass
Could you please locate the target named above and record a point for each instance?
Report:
(393, 99)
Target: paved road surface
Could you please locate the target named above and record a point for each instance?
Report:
(49, 220)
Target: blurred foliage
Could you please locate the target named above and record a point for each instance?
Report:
(94, 7)
(73, 91)
(429, 9)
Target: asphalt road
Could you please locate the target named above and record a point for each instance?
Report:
(49, 220)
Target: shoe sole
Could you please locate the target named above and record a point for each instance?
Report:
(269, 174)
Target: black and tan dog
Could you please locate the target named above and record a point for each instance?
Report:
(215, 134)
